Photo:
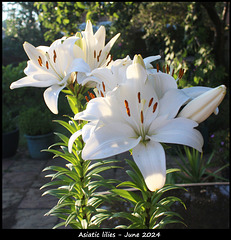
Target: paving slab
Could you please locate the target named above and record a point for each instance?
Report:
(33, 199)
(34, 219)
(18, 179)
(27, 165)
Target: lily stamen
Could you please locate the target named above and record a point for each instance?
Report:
(40, 61)
(167, 69)
(101, 93)
(104, 89)
(86, 98)
(154, 107)
(157, 67)
(99, 53)
(127, 108)
(48, 61)
(139, 97)
(110, 60)
(141, 117)
(173, 72)
(107, 55)
(55, 56)
(150, 102)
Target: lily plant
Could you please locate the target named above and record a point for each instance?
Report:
(134, 107)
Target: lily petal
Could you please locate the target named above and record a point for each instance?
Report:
(171, 102)
(109, 140)
(161, 81)
(150, 59)
(194, 92)
(107, 48)
(137, 72)
(150, 159)
(29, 81)
(177, 130)
(51, 95)
(72, 139)
(100, 36)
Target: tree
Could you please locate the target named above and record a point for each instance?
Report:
(61, 18)
(218, 17)
(20, 26)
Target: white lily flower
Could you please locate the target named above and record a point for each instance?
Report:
(91, 48)
(50, 67)
(106, 79)
(201, 107)
(133, 117)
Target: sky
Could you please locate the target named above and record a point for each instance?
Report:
(4, 14)
(5, 6)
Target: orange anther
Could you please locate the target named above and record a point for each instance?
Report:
(86, 98)
(167, 69)
(154, 107)
(173, 72)
(109, 61)
(103, 86)
(150, 102)
(139, 97)
(101, 94)
(127, 108)
(55, 56)
(99, 53)
(40, 61)
(107, 56)
(141, 117)
(157, 67)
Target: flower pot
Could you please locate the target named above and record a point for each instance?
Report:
(37, 143)
(10, 143)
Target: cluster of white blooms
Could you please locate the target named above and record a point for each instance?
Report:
(136, 106)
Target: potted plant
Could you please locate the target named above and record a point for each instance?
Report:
(11, 105)
(37, 126)
(10, 133)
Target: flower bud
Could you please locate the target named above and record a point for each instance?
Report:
(200, 108)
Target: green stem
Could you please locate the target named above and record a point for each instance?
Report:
(147, 211)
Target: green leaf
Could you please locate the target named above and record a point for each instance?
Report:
(70, 218)
(66, 21)
(128, 184)
(171, 170)
(55, 192)
(100, 169)
(131, 196)
(102, 162)
(139, 182)
(73, 103)
(62, 137)
(59, 225)
(69, 127)
(129, 216)
(52, 183)
(84, 224)
(138, 206)
(81, 5)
